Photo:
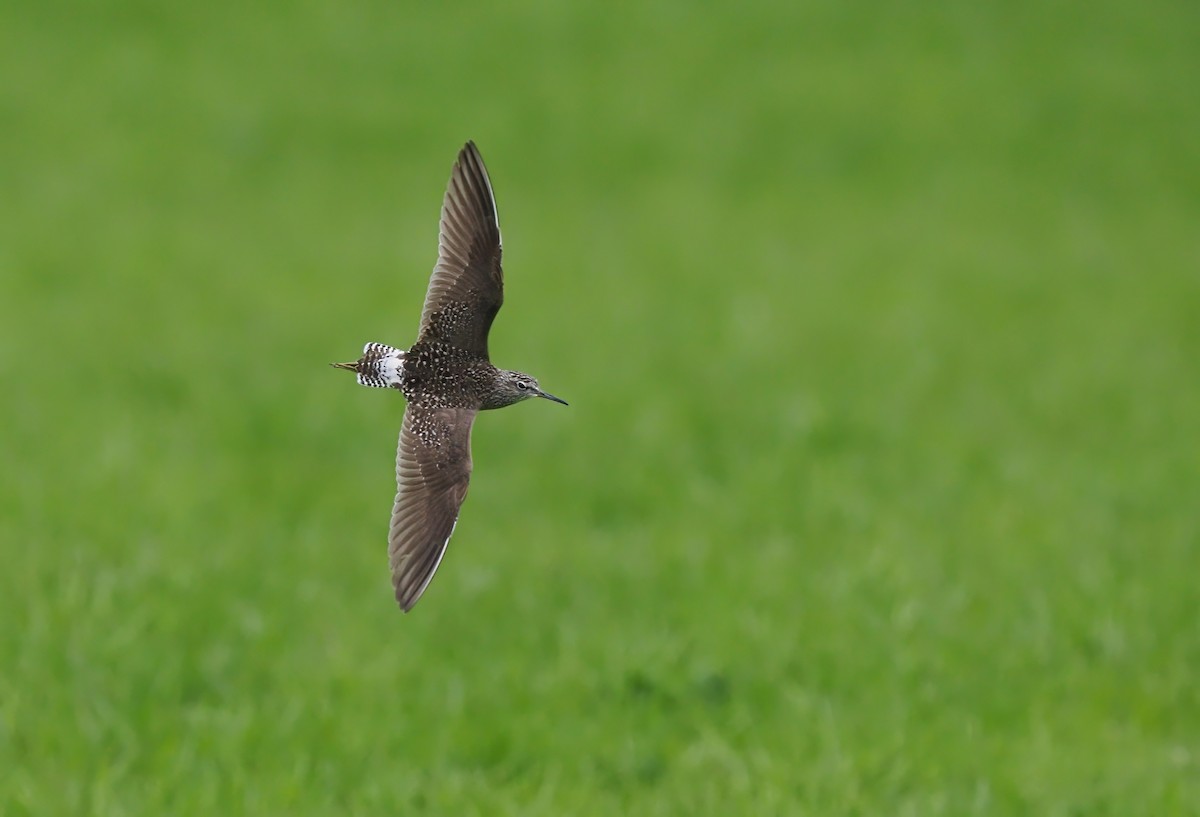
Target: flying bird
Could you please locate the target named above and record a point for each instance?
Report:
(446, 378)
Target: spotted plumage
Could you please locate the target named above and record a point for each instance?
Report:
(446, 377)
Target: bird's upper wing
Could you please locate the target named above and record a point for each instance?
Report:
(433, 468)
(467, 285)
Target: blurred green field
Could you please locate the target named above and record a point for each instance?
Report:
(879, 492)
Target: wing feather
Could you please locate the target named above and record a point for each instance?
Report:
(433, 471)
(467, 286)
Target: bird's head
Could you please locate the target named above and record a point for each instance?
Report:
(513, 387)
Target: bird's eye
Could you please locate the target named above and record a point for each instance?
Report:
(522, 385)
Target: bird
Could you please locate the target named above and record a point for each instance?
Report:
(446, 378)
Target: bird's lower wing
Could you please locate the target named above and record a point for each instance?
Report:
(433, 469)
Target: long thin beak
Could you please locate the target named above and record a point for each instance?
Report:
(351, 366)
(549, 396)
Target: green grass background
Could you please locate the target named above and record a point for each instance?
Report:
(879, 492)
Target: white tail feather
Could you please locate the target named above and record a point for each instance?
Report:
(381, 366)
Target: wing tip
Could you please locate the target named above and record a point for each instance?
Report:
(404, 591)
(406, 605)
(471, 160)
(407, 597)
(409, 592)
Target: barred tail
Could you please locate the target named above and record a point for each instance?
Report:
(380, 367)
